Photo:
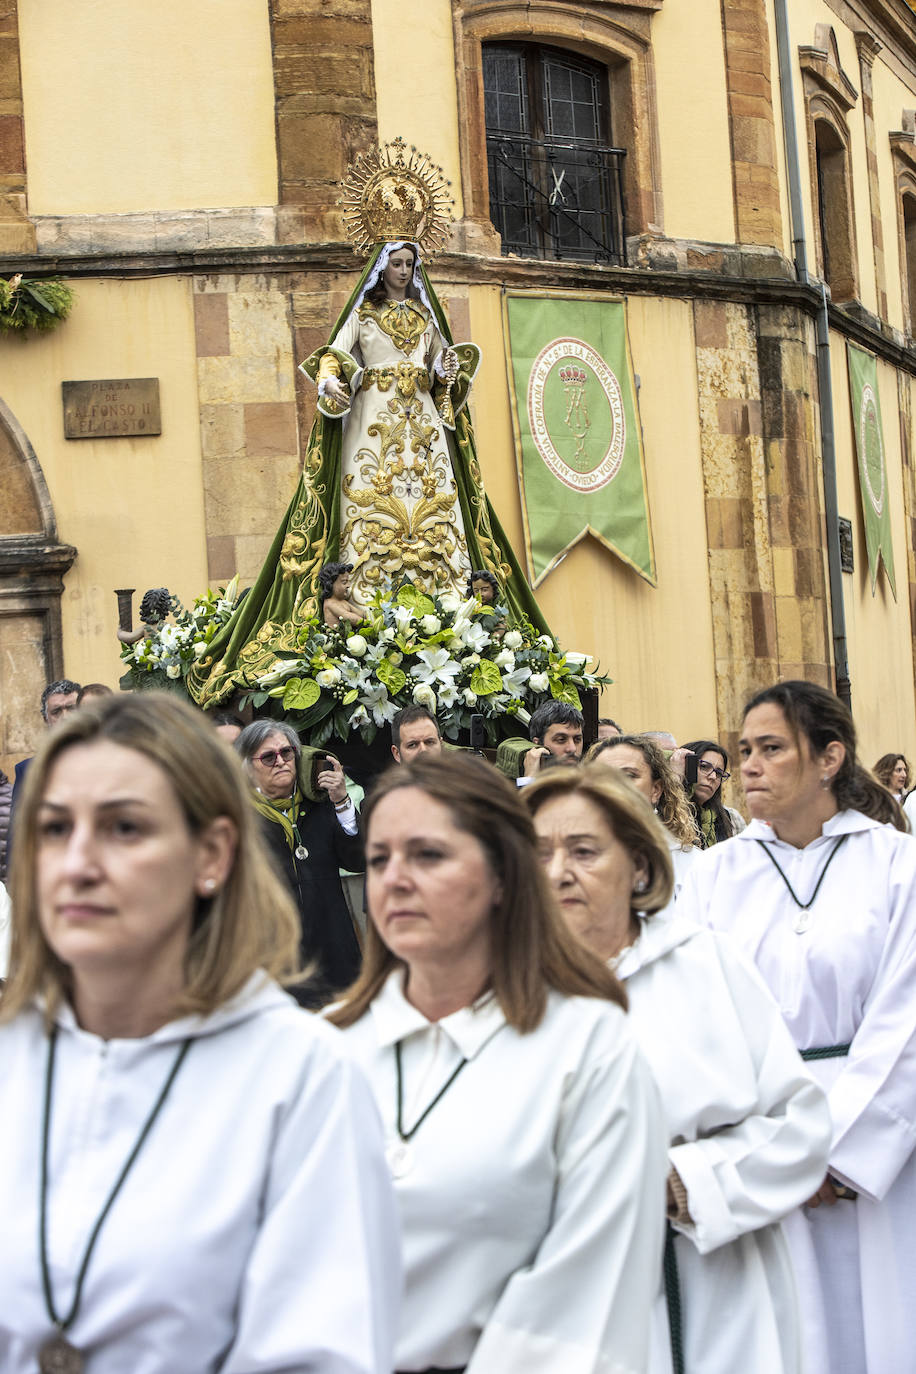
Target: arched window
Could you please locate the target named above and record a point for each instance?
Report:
(833, 210)
(555, 178)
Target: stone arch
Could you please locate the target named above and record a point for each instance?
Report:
(32, 567)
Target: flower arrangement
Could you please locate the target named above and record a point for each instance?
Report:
(27, 304)
(456, 657)
(171, 649)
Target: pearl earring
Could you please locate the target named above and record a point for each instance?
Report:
(209, 886)
(640, 885)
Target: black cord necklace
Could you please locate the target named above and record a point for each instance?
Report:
(57, 1355)
(399, 1153)
(801, 924)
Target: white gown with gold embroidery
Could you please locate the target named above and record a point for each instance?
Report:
(400, 514)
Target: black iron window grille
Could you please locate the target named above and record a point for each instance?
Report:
(556, 183)
(554, 199)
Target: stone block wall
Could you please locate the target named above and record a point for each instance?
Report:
(752, 130)
(763, 500)
(16, 233)
(248, 417)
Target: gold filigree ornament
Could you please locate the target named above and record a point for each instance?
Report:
(396, 193)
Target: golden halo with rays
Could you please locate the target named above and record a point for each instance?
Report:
(395, 192)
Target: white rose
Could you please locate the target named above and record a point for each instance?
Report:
(449, 602)
(173, 670)
(513, 640)
(395, 657)
(470, 698)
(576, 660)
(454, 645)
(388, 634)
(545, 642)
(505, 659)
(539, 682)
(327, 677)
(357, 646)
(200, 648)
(424, 695)
(430, 624)
(471, 660)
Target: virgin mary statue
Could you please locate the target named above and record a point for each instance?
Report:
(390, 486)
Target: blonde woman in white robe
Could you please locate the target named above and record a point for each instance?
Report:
(748, 1126)
(191, 1171)
(820, 890)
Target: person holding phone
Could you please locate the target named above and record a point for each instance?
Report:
(312, 830)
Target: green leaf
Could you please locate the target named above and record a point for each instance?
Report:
(350, 697)
(565, 691)
(486, 678)
(390, 676)
(416, 601)
(258, 699)
(300, 693)
(37, 296)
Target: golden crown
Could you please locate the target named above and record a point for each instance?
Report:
(396, 192)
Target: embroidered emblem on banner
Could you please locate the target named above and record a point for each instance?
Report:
(576, 415)
(872, 448)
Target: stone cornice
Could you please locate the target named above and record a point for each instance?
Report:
(751, 278)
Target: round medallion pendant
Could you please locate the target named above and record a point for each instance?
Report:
(58, 1356)
(400, 1158)
(301, 851)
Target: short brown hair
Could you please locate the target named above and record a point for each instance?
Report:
(532, 948)
(629, 815)
(250, 923)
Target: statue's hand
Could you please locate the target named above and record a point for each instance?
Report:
(337, 391)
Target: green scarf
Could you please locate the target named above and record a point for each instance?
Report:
(285, 811)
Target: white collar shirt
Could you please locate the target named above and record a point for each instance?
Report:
(533, 1207)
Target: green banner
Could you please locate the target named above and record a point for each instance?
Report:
(869, 441)
(577, 434)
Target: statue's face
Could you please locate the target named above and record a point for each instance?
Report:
(398, 272)
(483, 591)
(341, 589)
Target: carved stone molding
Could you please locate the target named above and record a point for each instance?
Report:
(822, 71)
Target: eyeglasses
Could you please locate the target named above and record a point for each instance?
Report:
(712, 771)
(270, 756)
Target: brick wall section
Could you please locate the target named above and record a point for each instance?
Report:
(751, 126)
(763, 519)
(325, 108)
(16, 233)
(868, 49)
(248, 422)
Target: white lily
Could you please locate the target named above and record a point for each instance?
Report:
(514, 682)
(475, 637)
(505, 659)
(436, 665)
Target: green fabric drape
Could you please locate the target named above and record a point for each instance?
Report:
(286, 594)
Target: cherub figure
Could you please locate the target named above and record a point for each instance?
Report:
(334, 581)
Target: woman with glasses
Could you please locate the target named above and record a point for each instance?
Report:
(642, 761)
(714, 820)
(820, 891)
(312, 832)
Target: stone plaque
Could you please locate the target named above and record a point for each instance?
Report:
(111, 410)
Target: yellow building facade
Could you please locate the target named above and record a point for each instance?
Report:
(180, 167)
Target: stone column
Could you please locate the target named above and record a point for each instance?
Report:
(17, 235)
(868, 50)
(326, 115)
(750, 118)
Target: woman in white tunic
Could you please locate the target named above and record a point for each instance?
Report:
(821, 892)
(748, 1126)
(644, 763)
(525, 1136)
(191, 1174)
